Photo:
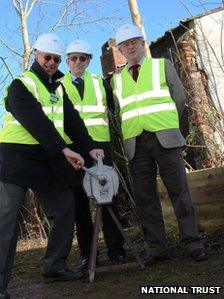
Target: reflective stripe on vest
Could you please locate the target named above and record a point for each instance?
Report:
(57, 123)
(149, 109)
(145, 104)
(92, 108)
(14, 132)
(94, 122)
(28, 81)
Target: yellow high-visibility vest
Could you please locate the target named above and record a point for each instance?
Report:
(14, 132)
(145, 104)
(92, 108)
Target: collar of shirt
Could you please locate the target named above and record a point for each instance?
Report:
(74, 78)
(130, 65)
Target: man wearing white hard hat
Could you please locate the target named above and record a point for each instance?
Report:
(88, 93)
(151, 100)
(34, 153)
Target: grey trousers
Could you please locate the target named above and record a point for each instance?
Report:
(58, 206)
(149, 156)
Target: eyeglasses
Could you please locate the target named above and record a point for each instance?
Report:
(80, 58)
(56, 60)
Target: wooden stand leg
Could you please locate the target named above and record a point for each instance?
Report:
(125, 236)
(94, 247)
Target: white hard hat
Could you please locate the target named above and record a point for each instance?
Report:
(79, 46)
(49, 43)
(127, 32)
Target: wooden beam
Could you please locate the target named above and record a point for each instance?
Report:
(207, 191)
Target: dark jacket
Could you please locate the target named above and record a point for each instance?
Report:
(35, 166)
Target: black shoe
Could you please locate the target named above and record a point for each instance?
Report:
(4, 295)
(199, 255)
(62, 275)
(118, 259)
(84, 263)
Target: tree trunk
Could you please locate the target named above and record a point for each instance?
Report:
(137, 20)
(26, 44)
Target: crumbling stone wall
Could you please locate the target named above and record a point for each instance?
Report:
(203, 117)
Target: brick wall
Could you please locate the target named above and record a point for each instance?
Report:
(111, 58)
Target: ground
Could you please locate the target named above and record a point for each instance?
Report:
(179, 270)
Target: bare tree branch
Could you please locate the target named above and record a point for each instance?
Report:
(7, 67)
(71, 14)
(64, 13)
(28, 11)
(10, 48)
(16, 4)
(90, 21)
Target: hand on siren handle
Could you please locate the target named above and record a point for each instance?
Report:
(73, 158)
(96, 153)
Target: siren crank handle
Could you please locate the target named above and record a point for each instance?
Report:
(90, 172)
(99, 160)
(101, 181)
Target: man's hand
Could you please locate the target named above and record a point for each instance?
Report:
(96, 153)
(73, 158)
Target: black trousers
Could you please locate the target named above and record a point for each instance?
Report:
(58, 205)
(83, 219)
(149, 156)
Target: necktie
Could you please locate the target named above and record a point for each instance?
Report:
(79, 83)
(134, 69)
